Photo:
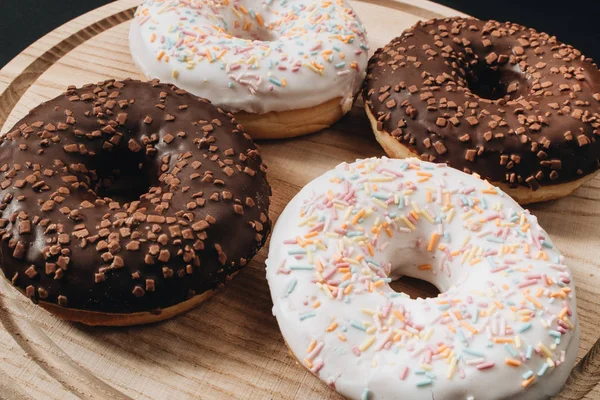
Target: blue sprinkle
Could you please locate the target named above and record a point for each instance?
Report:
(430, 375)
(554, 333)
(291, 286)
(425, 382)
(548, 245)
(461, 336)
(358, 326)
(510, 350)
(524, 328)
(307, 315)
(472, 352)
(420, 372)
(491, 261)
(529, 352)
(365, 394)
(527, 374)
(364, 46)
(494, 239)
(340, 65)
(229, 85)
(543, 369)
(381, 196)
(475, 315)
(297, 251)
(301, 267)
(275, 81)
(444, 307)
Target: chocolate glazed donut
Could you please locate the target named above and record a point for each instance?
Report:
(511, 104)
(128, 202)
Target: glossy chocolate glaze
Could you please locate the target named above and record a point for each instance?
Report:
(498, 99)
(128, 196)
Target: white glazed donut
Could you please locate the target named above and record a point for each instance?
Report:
(264, 58)
(504, 326)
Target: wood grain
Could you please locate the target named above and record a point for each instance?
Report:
(230, 347)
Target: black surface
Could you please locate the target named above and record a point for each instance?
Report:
(577, 22)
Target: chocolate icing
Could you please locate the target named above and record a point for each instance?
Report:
(128, 196)
(498, 99)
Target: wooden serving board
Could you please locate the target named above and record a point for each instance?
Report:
(229, 347)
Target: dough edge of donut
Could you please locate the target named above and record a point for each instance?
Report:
(521, 194)
(96, 318)
(292, 123)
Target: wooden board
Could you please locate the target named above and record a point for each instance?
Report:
(230, 347)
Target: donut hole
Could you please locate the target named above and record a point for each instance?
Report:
(414, 287)
(122, 175)
(259, 34)
(494, 83)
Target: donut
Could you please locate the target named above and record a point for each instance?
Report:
(503, 327)
(119, 201)
(516, 106)
(285, 68)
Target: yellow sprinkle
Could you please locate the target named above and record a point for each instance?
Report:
(367, 343)
(407, 222)
(450, 215)
(452, 367)
(545, 350)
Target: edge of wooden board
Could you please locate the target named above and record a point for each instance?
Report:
(23, 70)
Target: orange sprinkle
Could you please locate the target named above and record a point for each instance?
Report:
(308, 363)
(259, 19)
(160, 55)
(379, 283)
(423, 173)
(433, 241)
(348, 289)
(528, 381)
(358, 216)
(398, 315)
(468, 326)
(502, 340)
(311, 234)
(332, 327)
(512, 362)
(370, 248)
(316, 304)
(424, 267)
(311, 346)
(341, 337)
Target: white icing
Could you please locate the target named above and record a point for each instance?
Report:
(484, 278)
(303, 53)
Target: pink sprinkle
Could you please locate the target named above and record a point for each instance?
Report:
(317, 367)
(404, 373)
(485, 365)
(311, 356)
(502, 268)
(527, 283)
(356, 351)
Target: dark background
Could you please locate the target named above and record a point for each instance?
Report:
(575, 22)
